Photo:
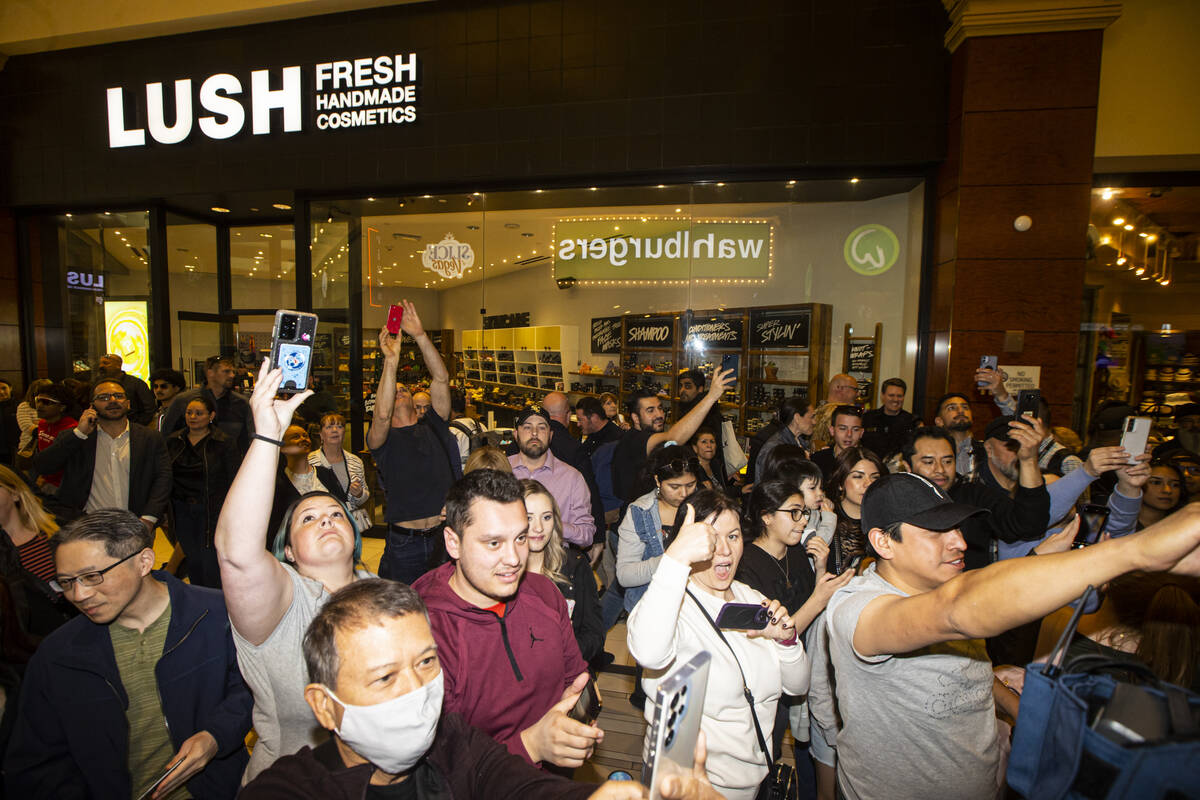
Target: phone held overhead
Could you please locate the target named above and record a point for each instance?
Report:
(292, 348)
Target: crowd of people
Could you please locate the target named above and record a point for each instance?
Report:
(887, 558)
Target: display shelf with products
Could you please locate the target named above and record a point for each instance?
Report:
(505, 368)
(787, 356)
(1166, 374)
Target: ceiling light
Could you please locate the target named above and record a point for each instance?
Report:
(219, 210)
(538, 191)
(1121, 261)
(720, 184)
(591, 188)
(1119, 221)
(1128, 227)
(854, 180)
(1140, 271)
(1151, 238)
(282, 206)
(679, 211)
(791, 183)
(265, 235)
(1166, 282)
(1105, 239)
(370, 199)
(68, 216)
(1107, 194)
(1143, 234)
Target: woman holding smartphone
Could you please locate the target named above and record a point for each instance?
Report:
(676, 619)
(273, 595)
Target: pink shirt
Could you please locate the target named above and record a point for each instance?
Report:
(570, 491)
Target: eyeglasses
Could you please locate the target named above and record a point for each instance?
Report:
(65, 585)
(104, 398)
(797, 513)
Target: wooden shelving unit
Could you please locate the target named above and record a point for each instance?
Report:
(505, 368)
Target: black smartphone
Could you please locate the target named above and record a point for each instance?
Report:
(731, 361)
(587, 708)
(292, 348)
(1029, 401)
(743, 617)
(1092, 519)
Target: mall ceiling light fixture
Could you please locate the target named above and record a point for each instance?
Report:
(854, 180)
(1127, 226)
(1118, 220)
(219, 210)
(281, 206)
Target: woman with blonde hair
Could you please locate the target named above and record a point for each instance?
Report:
(568, 567)
(26, 563)
(488, 457)
(822, 420)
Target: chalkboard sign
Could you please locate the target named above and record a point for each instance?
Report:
(862, 356)
(719, 333)
(606, 334)
(780, 328)
(650, 332)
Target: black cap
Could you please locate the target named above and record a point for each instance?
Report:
(998, 428)
(1187, 410)
(532, 411)
(1112, 418)
(907, 497)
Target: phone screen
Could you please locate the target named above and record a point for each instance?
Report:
(294, 361)
(1092, 519)
(987, 362)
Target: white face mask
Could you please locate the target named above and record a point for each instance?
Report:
(395, 734)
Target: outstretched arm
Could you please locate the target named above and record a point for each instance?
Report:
(385, 395)
(439, 376)
(979, 603)
(686, 427)
(257, 588)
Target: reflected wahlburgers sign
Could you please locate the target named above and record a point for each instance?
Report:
(608, 249)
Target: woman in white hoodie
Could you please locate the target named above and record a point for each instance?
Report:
(693, 581)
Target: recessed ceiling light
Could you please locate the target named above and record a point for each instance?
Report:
(265, 235)
(854, 180)
(219, 210)
(281, 206)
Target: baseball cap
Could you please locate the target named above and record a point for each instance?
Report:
(1112, 418)
(907, 497)
(998, 428)
(1187, 410)
(531, 411)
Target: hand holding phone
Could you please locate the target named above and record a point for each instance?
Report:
(743, 617)
(1092, 520)
(395, 317)
(1135, 436)
(1029, 401)
(987, 362)
(731, 361)
(291, 348)
(587, 708)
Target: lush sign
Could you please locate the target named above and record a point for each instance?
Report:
(608, 249)
(379, 90)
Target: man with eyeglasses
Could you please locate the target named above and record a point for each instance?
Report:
(142, 687)
(166, 383)
(846, 428)
(141, 401)
(108, 463)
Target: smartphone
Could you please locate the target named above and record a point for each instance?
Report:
(1092, 519)
(731, 361)
(670, 744)
(292, 348)
(395, 315)
(1029, 401)
(587, 708)
(1135, 436)
(150, 789)
(743, 617)
(987, 362)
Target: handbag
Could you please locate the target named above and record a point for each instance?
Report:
(1071, 723)
(731, 449)
(780, 783)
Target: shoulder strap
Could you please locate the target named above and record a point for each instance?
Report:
(1054, 663)
(762, 742)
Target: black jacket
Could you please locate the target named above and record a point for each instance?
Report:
(585, 616)
(234, 417)
(1021, 518)
(219, 465)
(149, 471)
(464, 763)
(38, 609)
(71, 737)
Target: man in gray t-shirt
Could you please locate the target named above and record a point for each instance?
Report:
(914, 686)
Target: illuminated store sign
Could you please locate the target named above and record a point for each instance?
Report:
(449, 257)
(85, 281)
(362, 92)
(667, 251)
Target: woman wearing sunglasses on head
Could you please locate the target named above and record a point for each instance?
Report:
(273, 595)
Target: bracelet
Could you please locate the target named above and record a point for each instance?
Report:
(268, 440)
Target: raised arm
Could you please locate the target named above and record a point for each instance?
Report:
(385, 395)
(257, 589)
(686, 427)
(439, 376)
(979, 603)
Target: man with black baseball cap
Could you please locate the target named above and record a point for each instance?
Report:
(914, 684)
(535, 460)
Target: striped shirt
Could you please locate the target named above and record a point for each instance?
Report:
(36, 558)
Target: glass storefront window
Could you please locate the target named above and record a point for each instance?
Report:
(262, 266)
(1141, 328)
(539, 267)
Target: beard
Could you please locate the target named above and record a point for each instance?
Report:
(959, 425)
(533, 448)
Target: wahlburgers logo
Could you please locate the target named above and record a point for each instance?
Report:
(871, 249)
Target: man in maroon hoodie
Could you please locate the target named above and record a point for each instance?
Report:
(511, 664)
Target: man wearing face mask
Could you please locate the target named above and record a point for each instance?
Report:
(107, 462)
(378, 685)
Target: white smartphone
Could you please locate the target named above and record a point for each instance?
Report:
(670, 745)
(1135, 436)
